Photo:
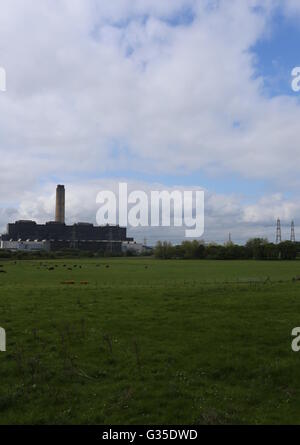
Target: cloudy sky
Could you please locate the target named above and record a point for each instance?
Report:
(160, 94)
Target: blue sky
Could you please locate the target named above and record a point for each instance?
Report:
(275, 56)
(278, 53)
(188, 93)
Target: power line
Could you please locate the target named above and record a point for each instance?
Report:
(293, 238)
(278, 232)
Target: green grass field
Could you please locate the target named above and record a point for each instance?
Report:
(149, 342)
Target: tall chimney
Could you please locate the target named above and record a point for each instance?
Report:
(60, 204)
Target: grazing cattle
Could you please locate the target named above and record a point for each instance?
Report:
(84, 282)
(3, 271)
(68, 282)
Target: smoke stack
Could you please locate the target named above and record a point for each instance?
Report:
(60, 204)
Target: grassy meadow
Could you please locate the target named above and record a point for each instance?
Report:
(143, 341)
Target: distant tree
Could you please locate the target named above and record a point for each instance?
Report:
(287, 250)
(193, 249)
(271, 251)
(164, 250)
(256, 247)
(214, 252)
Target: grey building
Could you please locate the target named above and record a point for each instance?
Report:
(82, 236)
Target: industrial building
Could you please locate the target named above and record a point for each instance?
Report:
(131, 246)
(57, 235)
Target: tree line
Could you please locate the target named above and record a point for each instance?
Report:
(256, 248)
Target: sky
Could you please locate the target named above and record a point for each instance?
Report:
(159, 94)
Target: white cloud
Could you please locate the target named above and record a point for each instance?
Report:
(85, 76)
(223, 213)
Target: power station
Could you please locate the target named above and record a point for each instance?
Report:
(56, 235)
(60, 204)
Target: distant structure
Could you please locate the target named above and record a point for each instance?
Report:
(135, 248)
(229, 241)
(60, 204)
(56, 235)
(293, 237)
(278, 232)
